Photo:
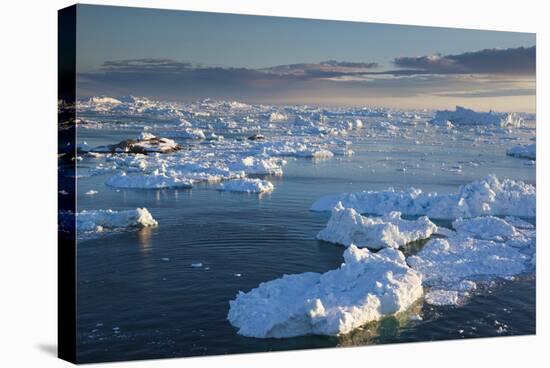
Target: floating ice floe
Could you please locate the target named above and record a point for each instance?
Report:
(97, 220)
(451, 267)
(489, 196)
(527, 151)
(247, 185)
(365, 288)
(487, 228)
(147, 181)
(464, 116)
(259, 166)
(348, 227)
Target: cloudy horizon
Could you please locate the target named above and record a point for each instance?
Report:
(192, 55)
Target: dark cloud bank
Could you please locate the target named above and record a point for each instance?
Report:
(174, 79)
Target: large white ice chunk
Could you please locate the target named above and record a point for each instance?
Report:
(348, 227)
(464, 116)
(259, 166)
(481, 248)
(453, 259)
(247, 185)
(155, 180)
(97, 220)
(487, 227)
(527, 151)
(365, 288)
(489, 196)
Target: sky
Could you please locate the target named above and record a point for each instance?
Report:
(183, 56)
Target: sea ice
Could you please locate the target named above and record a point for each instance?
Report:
(348, 227)
(527, 151)
(486, 227)
(481, 248)
(147, 181)
(489, 196)
(97, 220)
(464, 116)
(365, 288)
(247, 185)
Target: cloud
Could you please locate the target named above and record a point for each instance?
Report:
(512, 61)
(154, 65)
(484, 74)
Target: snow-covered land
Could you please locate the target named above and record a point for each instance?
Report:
(247, 185)
(348, 227)
(365, 288)
(527, 151)
(464, 116)
(489, 196)
(99, 220)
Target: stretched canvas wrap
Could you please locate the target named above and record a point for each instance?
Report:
(238, 184)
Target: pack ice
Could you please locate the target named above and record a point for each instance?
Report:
(366, 287)
(481, 249)
(348, 227)
(489, 196)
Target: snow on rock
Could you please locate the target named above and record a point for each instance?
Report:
(365, 288)
(97, 220)
(247, 185)
(348, 227)
(464, 116)
(527, 151)
(147, 143)
(489, 196)
(155, 180)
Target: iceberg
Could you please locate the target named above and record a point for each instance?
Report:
(147, 181)
(97, 220)
(464, 116)
(527, 151)
(247, 185)
(348, 227)
(489, 196)
(366, 287)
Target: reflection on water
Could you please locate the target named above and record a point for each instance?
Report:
(387, 328)
(144, 238)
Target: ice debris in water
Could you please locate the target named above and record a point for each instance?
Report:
(489, 196)
(153, 181)
(464, 116)
(247, 185)
(481, 248)
(348, 227)
(366, 287)
(97, 220)
(527, 151)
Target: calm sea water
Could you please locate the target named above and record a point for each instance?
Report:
(139, 297)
